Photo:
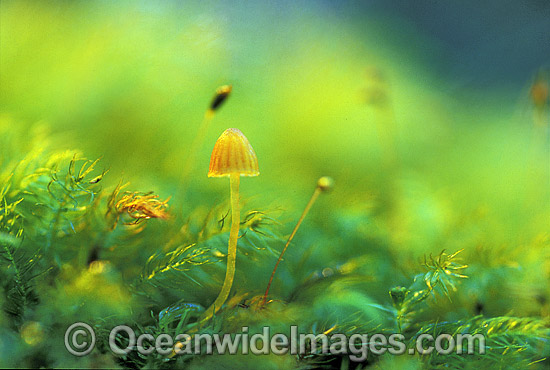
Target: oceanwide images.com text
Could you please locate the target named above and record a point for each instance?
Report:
(80, 340)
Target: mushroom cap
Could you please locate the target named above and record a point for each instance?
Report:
(233, 154)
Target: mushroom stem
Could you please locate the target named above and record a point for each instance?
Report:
(316, 193)
(231, 249)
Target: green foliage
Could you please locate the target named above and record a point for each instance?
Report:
(511, 342)
(442, 271)
(19, 268)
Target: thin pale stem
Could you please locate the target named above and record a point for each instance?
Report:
(231, 250)
(306, 210)
(196, 145)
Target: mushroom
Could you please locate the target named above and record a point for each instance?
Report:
(232, 157)
(325, 183)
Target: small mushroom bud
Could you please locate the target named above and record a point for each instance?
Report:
(222, 93)
(324, 184)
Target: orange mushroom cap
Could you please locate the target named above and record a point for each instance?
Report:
(233, 154)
